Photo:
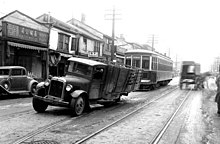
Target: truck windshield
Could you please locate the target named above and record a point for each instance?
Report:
(79, 68)
(4, 71)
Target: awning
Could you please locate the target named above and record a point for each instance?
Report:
(65, 55)
(26, 46)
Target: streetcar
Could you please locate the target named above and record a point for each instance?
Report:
(190, 74)
(157, 69)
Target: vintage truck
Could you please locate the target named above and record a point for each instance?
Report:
(190, 74)
(86, 82)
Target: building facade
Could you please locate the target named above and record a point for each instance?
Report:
(24, 42)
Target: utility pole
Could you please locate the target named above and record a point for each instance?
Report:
(113, 32)
(113, 35)
(152, 41)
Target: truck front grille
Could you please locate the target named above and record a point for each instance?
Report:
(56, 88)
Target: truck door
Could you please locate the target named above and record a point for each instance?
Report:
(97, 83)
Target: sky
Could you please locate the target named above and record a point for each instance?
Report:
(185, 29)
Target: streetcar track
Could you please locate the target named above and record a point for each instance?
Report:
(47, 127)
(122, 118)
(159, 135)
(11, 116)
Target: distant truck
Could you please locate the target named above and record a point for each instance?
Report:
(86, 82)
(190, 73)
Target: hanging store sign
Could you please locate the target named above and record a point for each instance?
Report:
(24, 33)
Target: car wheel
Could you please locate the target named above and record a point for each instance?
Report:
(33, 89)
(78, 105)
(39, 106)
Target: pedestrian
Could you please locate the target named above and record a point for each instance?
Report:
(217, 97)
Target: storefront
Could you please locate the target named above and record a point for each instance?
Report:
(24, 45)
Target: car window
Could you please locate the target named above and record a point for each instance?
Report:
(16, 72)
(4, 71)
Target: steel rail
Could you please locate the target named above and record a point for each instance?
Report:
(46, 127)
(122, 118)
(13, 115)
(159, 135)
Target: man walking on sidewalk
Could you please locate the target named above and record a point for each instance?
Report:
(217, 97)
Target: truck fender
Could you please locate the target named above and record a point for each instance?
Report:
(77, 93)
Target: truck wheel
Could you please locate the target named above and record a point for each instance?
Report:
(78, 105)
(39, 106)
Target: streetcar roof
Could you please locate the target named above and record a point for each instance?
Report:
(86, 61)
(144, 51)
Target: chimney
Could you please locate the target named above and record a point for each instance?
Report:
(83, 18)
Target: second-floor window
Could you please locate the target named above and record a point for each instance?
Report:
(74, 44)
(85, 44)
(63, 42)
(97, 46)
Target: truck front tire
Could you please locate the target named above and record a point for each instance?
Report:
(78, 105)
(39, 106)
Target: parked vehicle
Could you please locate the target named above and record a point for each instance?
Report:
(190, 74)
(14, 80)
(157, 68)
(86, 82)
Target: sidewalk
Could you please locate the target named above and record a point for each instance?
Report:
(211, 118)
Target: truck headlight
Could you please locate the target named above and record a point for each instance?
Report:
(69, 87)
(47, 82)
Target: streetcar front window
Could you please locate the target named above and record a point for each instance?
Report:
(136, 62)
(145, 62)
(128, 62)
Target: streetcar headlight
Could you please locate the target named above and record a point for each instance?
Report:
(69, 87)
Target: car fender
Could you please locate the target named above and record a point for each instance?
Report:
(5, 81)
(30, 84)
(3, 90)
(77, 93)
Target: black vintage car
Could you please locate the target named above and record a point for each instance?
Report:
(14, 80)
(86, 82)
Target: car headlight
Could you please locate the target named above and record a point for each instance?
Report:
(69, 87)
(5, 85)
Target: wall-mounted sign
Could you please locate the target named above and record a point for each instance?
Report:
(25, 33)
(93, 54)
